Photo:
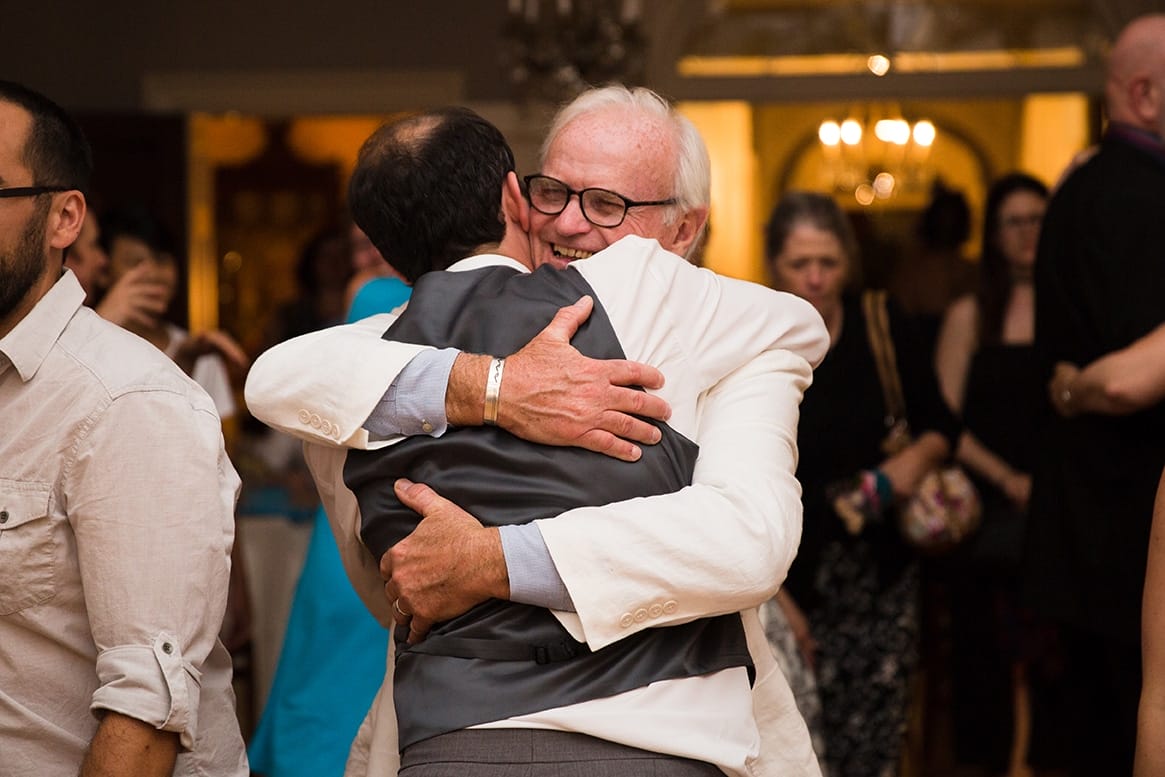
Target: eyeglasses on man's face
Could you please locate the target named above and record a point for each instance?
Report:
(31, 191)
(601, 207)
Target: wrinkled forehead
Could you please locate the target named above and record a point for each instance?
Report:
(618, 149)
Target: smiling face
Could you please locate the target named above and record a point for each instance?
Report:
(615, 149)
(813, 265)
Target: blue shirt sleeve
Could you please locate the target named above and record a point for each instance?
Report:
(415, 402)
(533, 577)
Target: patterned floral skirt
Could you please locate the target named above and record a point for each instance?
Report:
(867, 631)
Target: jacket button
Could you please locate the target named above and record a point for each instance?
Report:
(315, 421)
(3, 516)
(640, 615)
(304, 417)
(626, 620)
(655, 610)
(670, 606)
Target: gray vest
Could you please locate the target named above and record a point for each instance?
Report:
(503, 659)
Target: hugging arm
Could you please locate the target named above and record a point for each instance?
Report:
(327, 387)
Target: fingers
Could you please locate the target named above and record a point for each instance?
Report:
(416, 496)
(629, 373)
(418, 629)
(400, 614)
(386, 567)
(610, 445)
(567, 321)
(627, 400)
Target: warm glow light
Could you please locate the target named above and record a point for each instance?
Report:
(924, 133)
(864, 194)
(851, 132)
(829, 133)
(883, 185)
(879, 64)
(895, 131)
(904, 62)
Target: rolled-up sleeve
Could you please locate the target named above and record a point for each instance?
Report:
(151, 502)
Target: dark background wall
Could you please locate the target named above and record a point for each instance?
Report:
(94, 55)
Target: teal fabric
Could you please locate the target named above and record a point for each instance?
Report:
(379, 295)
(333, 655)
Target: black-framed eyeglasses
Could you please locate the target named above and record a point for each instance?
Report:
(31, 191)
(601, 207)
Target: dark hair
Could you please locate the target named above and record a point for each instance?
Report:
(946, 221)
(135, 220)
(820, 210)
(427, 189)
(994, 275)
(55, 151)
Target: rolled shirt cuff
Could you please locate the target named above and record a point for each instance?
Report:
(153, 684)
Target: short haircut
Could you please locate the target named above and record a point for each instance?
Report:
(427, 189)
(693, 176)
(817, 210)
(55, 151)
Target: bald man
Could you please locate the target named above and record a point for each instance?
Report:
(1100, 285)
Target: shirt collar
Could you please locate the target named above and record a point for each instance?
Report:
(29, 342)
(487, 260)
(1148, 142)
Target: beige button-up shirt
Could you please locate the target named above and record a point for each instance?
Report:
(116, 523)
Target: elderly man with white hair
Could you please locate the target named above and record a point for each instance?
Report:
(720, 547)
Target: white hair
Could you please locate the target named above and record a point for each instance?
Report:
(693, 177)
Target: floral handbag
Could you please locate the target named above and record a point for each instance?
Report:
(945, 508)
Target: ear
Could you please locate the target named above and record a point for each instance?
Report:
(514, 205)
(65, 219)
(1144, 100)
(686, 229)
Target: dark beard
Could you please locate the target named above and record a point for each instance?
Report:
(20, 270)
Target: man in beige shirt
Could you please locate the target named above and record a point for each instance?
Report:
(116, 506)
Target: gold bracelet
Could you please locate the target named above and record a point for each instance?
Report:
(493, 390)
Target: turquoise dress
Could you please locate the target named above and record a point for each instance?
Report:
(333, 656)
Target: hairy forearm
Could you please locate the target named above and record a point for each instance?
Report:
(125, 747)
(465, 396)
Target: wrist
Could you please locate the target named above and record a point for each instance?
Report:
(465, 394)
(495, 574)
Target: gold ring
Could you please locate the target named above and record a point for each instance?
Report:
(396, 606)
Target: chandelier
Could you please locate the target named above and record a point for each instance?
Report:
(877, 155)
(554, 49)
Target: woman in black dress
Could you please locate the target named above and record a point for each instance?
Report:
(988, 373)
(856, 589)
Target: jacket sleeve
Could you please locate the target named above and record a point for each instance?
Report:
(322, 386)
(737, 359)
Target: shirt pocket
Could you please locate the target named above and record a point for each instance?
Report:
(27, 545)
